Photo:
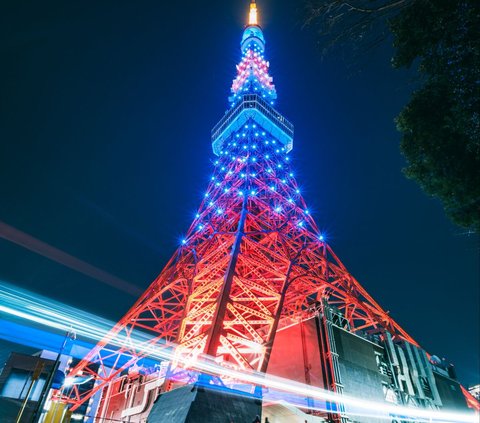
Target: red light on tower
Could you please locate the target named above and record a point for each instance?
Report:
(252, 261)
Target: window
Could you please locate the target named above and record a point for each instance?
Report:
(17, 384)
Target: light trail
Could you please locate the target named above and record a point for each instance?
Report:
(33, 244)
(54, 315)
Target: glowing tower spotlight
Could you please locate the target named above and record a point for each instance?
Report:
(254, 264)
(253, 16)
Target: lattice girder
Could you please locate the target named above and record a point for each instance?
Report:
(252, 258)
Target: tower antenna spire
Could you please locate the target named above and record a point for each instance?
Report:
(252, 264)
(253, 15)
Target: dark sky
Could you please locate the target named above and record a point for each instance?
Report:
(105, 116)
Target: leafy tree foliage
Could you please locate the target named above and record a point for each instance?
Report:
(352, 26)
(440, 126)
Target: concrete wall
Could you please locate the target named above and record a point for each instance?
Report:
(359, 373)
(450, 393)
(298, 357)
(193, 405)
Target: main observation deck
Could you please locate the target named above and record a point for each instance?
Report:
(252, 106)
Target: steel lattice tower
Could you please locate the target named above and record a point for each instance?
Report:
(253, 258)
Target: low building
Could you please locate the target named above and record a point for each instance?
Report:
(24, 382)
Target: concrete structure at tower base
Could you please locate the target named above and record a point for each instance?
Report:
(193, 404)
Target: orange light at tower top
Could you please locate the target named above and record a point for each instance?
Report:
(253, 263)
(253, 16)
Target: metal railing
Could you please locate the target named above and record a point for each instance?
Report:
(252, 101)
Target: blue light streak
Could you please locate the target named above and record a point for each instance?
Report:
(39, 310)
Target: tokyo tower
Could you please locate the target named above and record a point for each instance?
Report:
(252, 263)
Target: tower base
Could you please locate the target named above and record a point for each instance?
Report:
(192, 404)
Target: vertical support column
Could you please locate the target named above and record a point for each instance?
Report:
(427, 373)
(278, 314)
(332, 377)
(306, 362)
(328, 351)
(397, 372)
(219, 316)
(273, 331)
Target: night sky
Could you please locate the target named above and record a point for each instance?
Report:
(105, 117)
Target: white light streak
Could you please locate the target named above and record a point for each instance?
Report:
(52, 314)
